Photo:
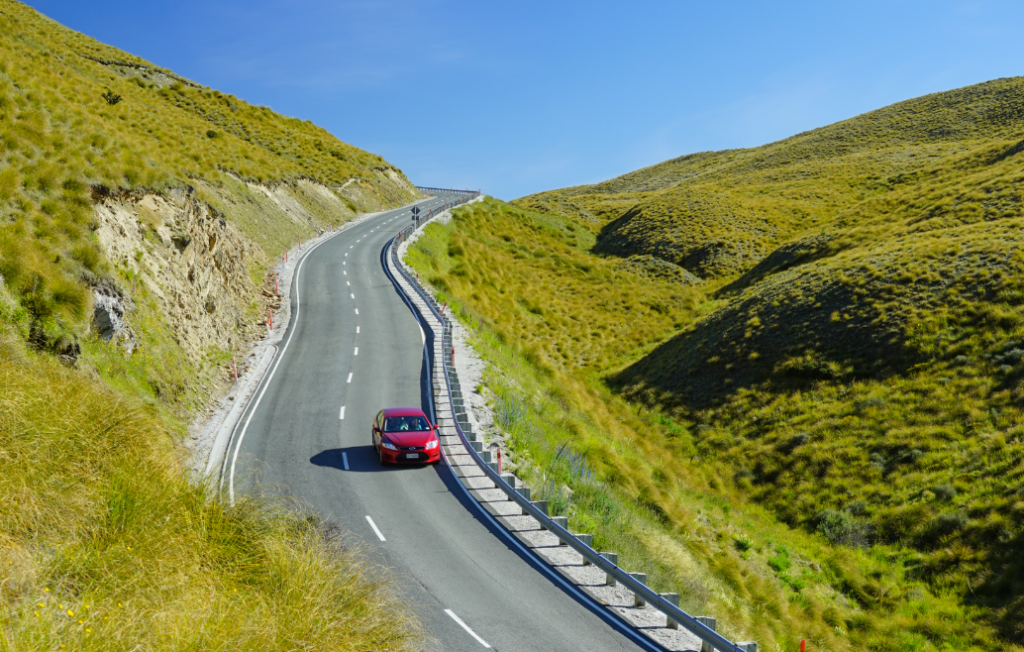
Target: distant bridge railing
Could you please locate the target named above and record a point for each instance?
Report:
(471, 193)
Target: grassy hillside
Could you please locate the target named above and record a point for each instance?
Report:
(65, 144)
(833, 377)
(104, 545)
(119, 178)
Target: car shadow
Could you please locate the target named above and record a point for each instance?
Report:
(361, 459)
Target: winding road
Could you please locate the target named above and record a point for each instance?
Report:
(352, 348)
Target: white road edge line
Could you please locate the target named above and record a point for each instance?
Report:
(381, 537)
(344, 460)
(464, 625)
(342, 415)
(270, 378)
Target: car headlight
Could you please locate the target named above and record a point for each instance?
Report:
(388, 445)
(432, 444)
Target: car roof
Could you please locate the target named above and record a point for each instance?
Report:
(404, 412)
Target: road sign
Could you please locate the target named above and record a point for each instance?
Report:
(415, 210)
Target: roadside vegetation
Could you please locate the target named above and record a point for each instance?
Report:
(65, 143)
(106, 545)
(106, 541)
(817, 435)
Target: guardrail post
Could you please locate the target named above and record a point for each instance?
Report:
(525, 493)
(642, 578)
(509, 479)
(672, 598)
(542, 505)
(613, 557)
(563, 522)
(588, 540)
(712, 624)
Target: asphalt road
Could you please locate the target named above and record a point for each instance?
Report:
(354, 347)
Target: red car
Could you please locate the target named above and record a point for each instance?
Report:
(405, 435)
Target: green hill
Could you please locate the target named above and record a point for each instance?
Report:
(836, 356)
(127, 190)
(66, 143)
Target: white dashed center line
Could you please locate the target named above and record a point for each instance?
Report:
(357, 330)
(381, 537)
(454, 617)
(344, 460)
(352, 295)
(349, 377)
(356, 351)
(342, 415)
(357, 311)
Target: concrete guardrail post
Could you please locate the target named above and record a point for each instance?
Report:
(672, 598)
(509, 479)
(642, 578)
(542, 505)
(478, 446)
(562, 521)
(525, 493)
(613, 557)
(711, 623)
(588, 540)
(485, 455)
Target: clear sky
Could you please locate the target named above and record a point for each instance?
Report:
(519, 97)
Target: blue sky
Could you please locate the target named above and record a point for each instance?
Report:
(519, 97)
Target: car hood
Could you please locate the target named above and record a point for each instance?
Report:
(417, 438)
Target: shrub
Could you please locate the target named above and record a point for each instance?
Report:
(111, 97)
(842, 529)
(899, 525)
(942, 526)
(944, 491)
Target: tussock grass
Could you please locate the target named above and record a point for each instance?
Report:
(758, 508)
(62, 144)
(104, 544)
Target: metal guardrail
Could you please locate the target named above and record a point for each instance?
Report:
(710, 637)
(471, 193)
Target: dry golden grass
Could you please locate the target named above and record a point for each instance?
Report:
(105, 544)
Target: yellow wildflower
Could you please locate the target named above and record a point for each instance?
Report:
(71, 613)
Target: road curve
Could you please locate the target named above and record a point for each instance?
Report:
(353, 348)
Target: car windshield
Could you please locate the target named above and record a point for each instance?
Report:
(405, 424)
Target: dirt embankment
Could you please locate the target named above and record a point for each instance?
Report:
(207, 255)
